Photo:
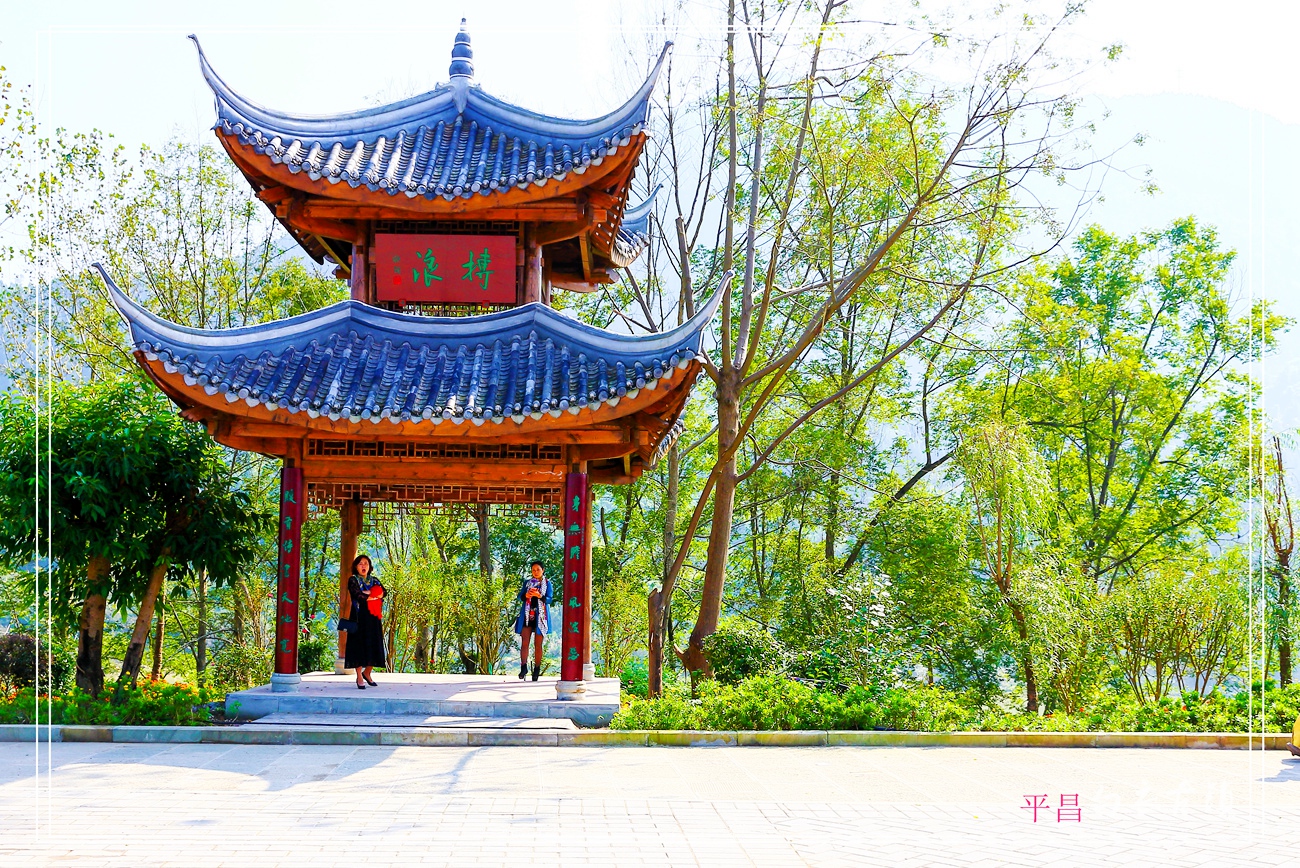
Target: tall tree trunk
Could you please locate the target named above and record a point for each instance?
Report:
(159, 634)
(422, 646)
(143, 621)
(832, 521)
(484, 540)
(655, 648)
(237, 614)
(90, 628)
(1026, 659)
(1284, 624)
(657, 625)
(201, 646)
(724, 505)
(466, 661)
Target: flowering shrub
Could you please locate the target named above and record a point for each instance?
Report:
(150, 704)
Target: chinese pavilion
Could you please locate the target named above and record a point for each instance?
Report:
(447, 377)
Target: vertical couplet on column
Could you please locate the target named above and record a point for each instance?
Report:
(588, 670)
(288, 571)
(576, 518)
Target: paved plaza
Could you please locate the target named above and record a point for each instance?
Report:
(214, 805)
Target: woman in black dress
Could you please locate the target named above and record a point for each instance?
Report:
(365, 645)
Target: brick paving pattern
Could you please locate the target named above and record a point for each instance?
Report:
(213, 805)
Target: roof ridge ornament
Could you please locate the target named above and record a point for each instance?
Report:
(462, 67)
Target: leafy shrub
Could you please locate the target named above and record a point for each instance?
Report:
(775, 702)
(760, 703)
(635, 679)
(667, 712)
(151, 704)
(18, 664)
(913, 708)
(239, 667)
(317, 654)
(740, 649)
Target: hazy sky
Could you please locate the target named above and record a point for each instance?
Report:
(1213, 85)
(126, 66)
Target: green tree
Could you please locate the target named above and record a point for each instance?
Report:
(1127, 371)
(882, 189)
(1279, 537)
(132, 491)
(1007, 485)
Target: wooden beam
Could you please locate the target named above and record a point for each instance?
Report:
(421, 470)
(558, 232)
(273, 446)
(601, 199)
(312, 226)
(584, 246)
(275, 194)
(613, 476)
(532, 269)
(579, 283)
(599, 452)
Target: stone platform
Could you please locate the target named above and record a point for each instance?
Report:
(404, 695)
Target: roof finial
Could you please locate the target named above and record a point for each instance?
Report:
(462, 66)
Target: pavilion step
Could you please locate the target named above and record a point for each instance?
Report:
(408, 696)
(413, 722)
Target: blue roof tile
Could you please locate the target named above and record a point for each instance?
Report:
(456, 141)
(354, 361)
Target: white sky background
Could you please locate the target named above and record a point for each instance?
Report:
(1215, 86)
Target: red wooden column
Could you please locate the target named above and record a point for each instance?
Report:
(588, 668)
(285, 678)
(360, 255)
(349, 530)
(573, 627)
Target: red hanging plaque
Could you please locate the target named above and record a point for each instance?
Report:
(450, 269)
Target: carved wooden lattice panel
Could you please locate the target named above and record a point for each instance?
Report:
(317, 448)
(331, 494)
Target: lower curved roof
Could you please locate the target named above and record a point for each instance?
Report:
(356, 362)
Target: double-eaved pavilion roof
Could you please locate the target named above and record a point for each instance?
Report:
(455, 151)
(530, 374)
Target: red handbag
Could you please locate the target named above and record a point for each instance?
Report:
(376, 601)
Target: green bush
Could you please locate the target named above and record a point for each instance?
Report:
(667, 712)
(150, 704)
(760, 703)
(239, 667)
(18, 664)
(776, 702)
(635, 679)
(317, 654)
(740, 649)
(913, 708)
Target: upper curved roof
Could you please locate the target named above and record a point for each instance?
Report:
(453, 142)
(351, 360)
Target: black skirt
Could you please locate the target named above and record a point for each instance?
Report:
(365, 645)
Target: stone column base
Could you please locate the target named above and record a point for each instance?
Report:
(338, 667)
(589, 672)
(282, 682)
(569, 690)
